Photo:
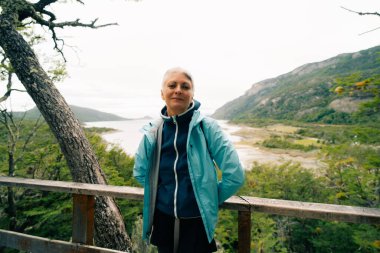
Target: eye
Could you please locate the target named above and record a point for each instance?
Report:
(185, 86)
(172, 85)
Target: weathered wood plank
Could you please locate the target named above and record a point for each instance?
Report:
(42, 245)
(236, 203)
(125, 192)
(241, 203)
(83, 219)
(244, 232)
(315, 210)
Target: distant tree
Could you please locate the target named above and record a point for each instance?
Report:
(19, 58)
(13, 132)
(357, 86)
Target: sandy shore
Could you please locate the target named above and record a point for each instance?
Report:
(247, 142)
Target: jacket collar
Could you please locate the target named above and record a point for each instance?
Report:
(185, 116)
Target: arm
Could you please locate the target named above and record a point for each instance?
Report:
(226, 158)
(144, 154)
(141, 161)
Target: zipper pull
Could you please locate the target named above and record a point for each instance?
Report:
(174, 119)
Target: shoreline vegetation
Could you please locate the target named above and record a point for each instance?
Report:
(277, 144)
(304, 140)
(351, 155)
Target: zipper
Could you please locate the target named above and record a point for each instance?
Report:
(174, 167)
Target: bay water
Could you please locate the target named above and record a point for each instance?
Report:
(127, 136)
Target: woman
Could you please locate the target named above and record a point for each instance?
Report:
(176, 163)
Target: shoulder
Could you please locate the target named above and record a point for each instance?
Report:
(208, 120)
(150, 129)
(152, 125)
(211, 128)
(209, 123)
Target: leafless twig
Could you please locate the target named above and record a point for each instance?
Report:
(362, 14)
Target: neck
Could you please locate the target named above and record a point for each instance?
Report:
(173, 113)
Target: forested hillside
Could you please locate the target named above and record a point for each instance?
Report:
(83, 114)
(307, 93)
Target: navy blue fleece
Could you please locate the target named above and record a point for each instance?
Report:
(186, 202)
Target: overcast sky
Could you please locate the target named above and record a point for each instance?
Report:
(226, 45)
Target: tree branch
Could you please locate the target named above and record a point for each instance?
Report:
(361, 13)
(9, 84)
(75, 23)
(38, 13)
(50, 14)
(52, 25)
(5, 68)
(8, 71)
(40, 5)
(374, 29)
(5, 116)
(39, 122)
(55, 40)
(8, 93)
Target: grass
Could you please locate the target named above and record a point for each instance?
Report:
(308, 142)
(283, 128)
(287, 143)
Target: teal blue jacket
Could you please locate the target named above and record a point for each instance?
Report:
(206, 147)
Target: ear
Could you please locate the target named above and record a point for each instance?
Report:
(162, 95)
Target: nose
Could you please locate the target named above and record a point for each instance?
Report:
(178, 89)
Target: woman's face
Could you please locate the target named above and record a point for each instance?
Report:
(177, 92)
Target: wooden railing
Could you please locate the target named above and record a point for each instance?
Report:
(83, 214)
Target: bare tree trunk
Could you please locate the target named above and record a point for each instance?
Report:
(11, 209)
(11, 161)
(11, 196)
(13, 135)
(84, 167)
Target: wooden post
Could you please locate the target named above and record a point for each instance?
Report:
(83, 218)
(244, 233)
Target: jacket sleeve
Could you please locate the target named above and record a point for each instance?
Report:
(141, 161)
(226, 159)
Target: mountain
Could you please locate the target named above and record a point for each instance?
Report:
(83, 114)
(304, 94)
